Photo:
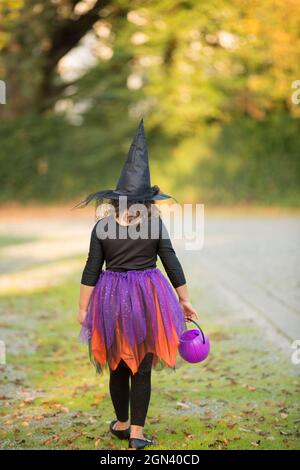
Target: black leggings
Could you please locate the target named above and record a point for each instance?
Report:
(138, 394)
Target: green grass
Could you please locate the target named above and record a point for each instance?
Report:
(245, 396)
(13, 240)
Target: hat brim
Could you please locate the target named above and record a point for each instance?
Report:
(136, 197)
(113, 194)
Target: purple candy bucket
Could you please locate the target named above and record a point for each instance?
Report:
(194, 345)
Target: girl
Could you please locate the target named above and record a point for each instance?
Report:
(129, 313)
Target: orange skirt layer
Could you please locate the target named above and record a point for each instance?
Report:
(165, 348)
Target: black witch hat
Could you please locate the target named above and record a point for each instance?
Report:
(134, 181)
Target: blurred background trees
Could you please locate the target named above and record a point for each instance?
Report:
(213, 81)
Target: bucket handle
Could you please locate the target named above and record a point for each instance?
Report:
(199, 328)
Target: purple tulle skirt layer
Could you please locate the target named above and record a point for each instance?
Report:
(131, 314)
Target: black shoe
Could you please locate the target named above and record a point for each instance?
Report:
(135, 443)
(119, 433)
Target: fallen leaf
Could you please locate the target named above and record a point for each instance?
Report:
(249, 387)
(263, 433)
(171, 431)
(232, 381)
(231, 424)
(154, 420)
(48, 441)
(29, 399)
(244, 430)
(181, 404)
(38, 418)
(187, 435)
(255, 443)
(97, 442)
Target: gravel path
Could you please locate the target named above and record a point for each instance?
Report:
(257, 260)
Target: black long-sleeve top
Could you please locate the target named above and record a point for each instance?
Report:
(125, 254)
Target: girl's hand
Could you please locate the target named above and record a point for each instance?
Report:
(188, 310)
(81, 316)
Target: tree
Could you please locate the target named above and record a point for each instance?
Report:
(213, 80)
(38, 35)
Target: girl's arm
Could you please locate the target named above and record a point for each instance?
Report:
(84, 299)
(188, 309)
(168, 257)
(91, 273)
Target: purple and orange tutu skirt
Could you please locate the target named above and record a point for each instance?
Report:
(130, 314)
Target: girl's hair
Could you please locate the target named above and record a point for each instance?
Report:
(112, 206)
